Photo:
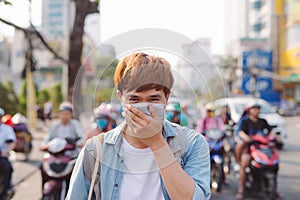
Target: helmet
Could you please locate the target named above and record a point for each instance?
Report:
(18, 118)
(173, 107)
(66, 106)
(103, 110)
(210, 106)
(252, 105)
(2, 112)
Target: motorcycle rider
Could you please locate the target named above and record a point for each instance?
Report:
(210, 121)
(7, 143)
(103, 119)
(67, 127)
(250, 126)
(174, 114)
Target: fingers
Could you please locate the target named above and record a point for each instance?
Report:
(135, 117)
(153, 111)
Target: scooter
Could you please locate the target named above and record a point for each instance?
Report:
(57, 166)
(215, 141)
(261, 175)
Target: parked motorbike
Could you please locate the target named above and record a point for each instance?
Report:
(57, 166)
(261, 175)
(215, 141)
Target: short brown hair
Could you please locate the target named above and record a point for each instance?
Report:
(140, 72)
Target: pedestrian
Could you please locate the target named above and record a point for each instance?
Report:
(48, 108)
(146, 157)
(7, 143)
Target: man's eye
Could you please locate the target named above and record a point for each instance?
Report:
(133, 99)
(154, 99)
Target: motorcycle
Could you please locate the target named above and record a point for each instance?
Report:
(215, 141)
(261, 175)
(57, 166)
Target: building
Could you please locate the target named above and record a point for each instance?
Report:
(256, 48)
(5, 68)
(289, 25)
(195, 69)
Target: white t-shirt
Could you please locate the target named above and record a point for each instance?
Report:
(141, 179)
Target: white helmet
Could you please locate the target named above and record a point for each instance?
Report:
(66, 106)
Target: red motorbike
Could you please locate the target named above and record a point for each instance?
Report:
(57, 166)
(261, 175)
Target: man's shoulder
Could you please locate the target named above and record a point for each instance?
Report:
(6, 127)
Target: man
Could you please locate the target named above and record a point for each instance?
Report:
(66, 127)
(250, 126)
(138, 160)
(7, 143)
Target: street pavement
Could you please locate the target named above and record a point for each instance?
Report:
(27, 179)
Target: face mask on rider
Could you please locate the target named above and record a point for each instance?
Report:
(144, 107)
(102, 123)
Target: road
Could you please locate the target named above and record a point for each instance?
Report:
(28, 180)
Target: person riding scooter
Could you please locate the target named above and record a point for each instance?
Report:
(67, 128)
(7, 143)
(251, 125)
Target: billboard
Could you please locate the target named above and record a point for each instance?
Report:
(259, 59)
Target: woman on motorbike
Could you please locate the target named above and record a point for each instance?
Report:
(103, 119)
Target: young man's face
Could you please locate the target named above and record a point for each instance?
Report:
(151, 96)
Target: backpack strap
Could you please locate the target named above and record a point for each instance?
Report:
(177, 144)
(94, 166)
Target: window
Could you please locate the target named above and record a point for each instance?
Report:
(292, 37)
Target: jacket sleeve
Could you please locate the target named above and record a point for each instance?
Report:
(79, 184)
(197, 165)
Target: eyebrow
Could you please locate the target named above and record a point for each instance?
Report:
(151, 96)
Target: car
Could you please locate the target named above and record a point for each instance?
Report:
(237, 105)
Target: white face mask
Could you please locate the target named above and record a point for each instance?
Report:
(144, 107)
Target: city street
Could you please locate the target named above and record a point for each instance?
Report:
(28, 181)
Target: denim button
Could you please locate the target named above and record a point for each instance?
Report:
(116, 185)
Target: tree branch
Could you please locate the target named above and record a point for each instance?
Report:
(14, 25)
(38, 34)
(33, 30)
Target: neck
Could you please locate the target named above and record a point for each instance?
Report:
(134, 141)
(253, 117)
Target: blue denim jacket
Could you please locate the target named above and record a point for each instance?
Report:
(196, 164)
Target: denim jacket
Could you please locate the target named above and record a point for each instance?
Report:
(196, 164)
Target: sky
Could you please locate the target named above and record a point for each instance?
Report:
(191, 18)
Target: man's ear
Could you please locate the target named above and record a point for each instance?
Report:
(167, 96)
(119, 95)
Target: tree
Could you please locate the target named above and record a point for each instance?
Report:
(9, 100)
(83, 8)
